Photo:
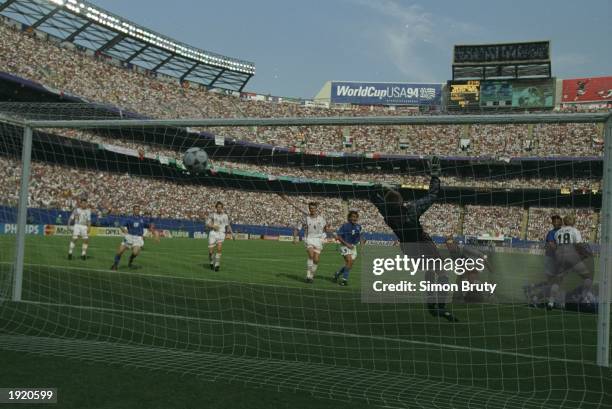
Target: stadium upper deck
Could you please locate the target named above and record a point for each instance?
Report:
(96, 79)
(84, 25)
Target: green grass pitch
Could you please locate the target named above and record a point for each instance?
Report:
(255, 328)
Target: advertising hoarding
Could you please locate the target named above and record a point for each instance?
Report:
(384, 93)
(596, 89)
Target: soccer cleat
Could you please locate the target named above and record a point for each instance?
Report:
(447, 314)
(212, 266)
(309, 280)
(433, 309)
(217, 268)
(335, 277)
(114, 267)
(343, 282)
(83, 257)
(69, 256)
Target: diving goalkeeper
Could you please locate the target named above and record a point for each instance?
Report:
(404, 219)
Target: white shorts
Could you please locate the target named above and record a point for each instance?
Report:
(314, 243)
(79, 230)
(133, 241)
(215, 237)
(345, 251)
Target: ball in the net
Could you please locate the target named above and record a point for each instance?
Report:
(195, 160)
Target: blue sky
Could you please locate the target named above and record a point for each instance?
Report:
(298, 45)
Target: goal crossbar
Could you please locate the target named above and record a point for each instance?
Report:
(328, 121)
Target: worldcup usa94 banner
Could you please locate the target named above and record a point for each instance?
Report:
(382, 93)
(457, 273)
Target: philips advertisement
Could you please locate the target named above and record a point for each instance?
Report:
(385, 93)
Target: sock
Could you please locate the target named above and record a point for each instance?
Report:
(309, 265)
(132, 257)
(117, 258)
(442, 295)
(345, 273)
(554, 293)
(313, 269)
(217, 259)
(71, 247)
(84, 249)
(339, 272)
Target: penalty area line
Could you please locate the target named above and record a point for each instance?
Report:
(313, 331)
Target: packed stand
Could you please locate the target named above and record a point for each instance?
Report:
(56, 187)
(495, 221)
(328, 173)
(96, 79)
(587, 222)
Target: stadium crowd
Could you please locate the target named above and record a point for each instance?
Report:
(98, 78)
(492, 220)
(337, 174)
(57, 187)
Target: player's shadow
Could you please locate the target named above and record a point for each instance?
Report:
(294, 277)
(134, 267)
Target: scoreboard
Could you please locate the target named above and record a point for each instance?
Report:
(533, 51)
(463, 94)
(477, 94)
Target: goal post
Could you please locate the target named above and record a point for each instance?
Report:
(605, 286)
(280, 319)
(26, 159)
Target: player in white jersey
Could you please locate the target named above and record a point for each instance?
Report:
(571, 254)
(81, 222)
(219, 224)
(315, 232)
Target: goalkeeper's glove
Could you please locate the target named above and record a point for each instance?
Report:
(435, 168)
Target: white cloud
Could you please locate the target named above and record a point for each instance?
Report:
(409, 36)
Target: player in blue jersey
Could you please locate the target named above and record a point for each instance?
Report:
(349, 236)
(548, 288)
(133, 228)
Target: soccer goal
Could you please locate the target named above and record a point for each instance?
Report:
(281, 258)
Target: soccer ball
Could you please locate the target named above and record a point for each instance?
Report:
(195, 160)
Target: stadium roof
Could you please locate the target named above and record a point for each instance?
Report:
(96, 29)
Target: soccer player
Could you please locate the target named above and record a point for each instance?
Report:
(550, 267)
(133, 228)
(404, 219)
(219, 225)
(349, 235)
(81, 220)
(315, 232)
(572, 254)
(535, 292)
(459, 251)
